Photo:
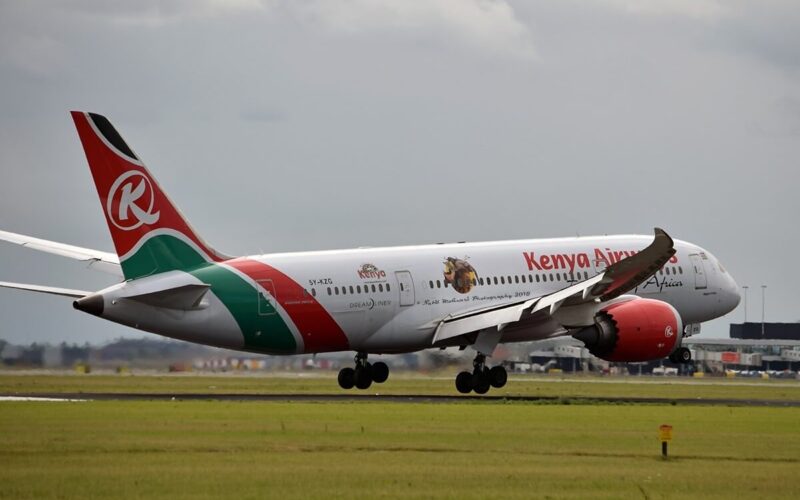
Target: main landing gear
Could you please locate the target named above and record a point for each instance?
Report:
(682, 355)
(482, 378)
(364, 373)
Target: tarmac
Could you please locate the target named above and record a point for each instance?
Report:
(386, 398)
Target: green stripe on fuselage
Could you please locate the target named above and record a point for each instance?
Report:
(160, 254)
(261, 325)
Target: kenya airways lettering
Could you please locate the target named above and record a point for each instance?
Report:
(571, 261)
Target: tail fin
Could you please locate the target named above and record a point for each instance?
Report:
(149, 232)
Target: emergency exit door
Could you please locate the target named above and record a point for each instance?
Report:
(405, 285)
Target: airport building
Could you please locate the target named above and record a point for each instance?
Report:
(746, 353)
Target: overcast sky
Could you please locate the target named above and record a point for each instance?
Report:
(299, 125)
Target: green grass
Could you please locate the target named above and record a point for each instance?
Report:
(325, 383)
(208, 449)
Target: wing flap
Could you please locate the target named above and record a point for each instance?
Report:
(455, 326)
(102, 261)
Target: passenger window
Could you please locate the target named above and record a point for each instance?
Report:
(502, 280)
(537, 278)
(430, 284)
(380, 287)
(667, 271)
(313, 292)
(358, 288)
(551, 277)
(438, 284)
(336, 290)
(387, 287)
(480, 280)
(329, 290)
(495, 279)
(516, 279)
(680, 269)
(373, 288)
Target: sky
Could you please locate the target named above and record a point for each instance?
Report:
(318, 124)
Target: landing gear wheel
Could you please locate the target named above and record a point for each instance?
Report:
(683, 355)
(464, 382)
(380, 372)
(498, 376)
(347, 378)
(480, 381)
(363, 377)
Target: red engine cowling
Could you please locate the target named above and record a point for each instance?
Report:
(635, 330)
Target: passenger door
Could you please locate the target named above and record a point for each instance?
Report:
(700, 280)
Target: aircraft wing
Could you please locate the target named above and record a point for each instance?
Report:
(65, 292)
(102, 261)
(617, 279)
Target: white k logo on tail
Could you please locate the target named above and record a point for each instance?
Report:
(130, 215)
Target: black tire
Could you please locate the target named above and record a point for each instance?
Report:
(347, 378)
(683, 355)
(464, 382)
(498, 376)
(363, 377)
(480, 381)
(380, 372)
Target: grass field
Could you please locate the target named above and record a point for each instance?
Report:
(325, 383)
(212, 449)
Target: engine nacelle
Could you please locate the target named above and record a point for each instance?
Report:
(635, 330)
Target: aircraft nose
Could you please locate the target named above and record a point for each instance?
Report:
(730, 293)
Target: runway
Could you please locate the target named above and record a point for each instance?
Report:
(388, 398)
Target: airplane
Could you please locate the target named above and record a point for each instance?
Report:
(628, 298)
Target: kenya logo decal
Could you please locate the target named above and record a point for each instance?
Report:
(668, 331)
(131, 200)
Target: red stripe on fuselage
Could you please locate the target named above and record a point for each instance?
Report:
(319, 330)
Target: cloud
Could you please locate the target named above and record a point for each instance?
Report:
(489, 26)
(36, 56)
(485, 25)
(156, 13)
(696, 9)
(264, 115)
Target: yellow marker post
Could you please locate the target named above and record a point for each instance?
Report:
(665, 436)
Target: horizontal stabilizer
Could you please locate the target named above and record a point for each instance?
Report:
(182, 298)
(106, 262)
(66, 292)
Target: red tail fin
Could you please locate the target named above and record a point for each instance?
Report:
(149, 232)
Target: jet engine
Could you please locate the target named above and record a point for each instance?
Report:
(634, 330)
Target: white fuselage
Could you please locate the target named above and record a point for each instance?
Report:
(391, 299)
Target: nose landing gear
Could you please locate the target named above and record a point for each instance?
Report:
(364, 373)
(482, 378)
